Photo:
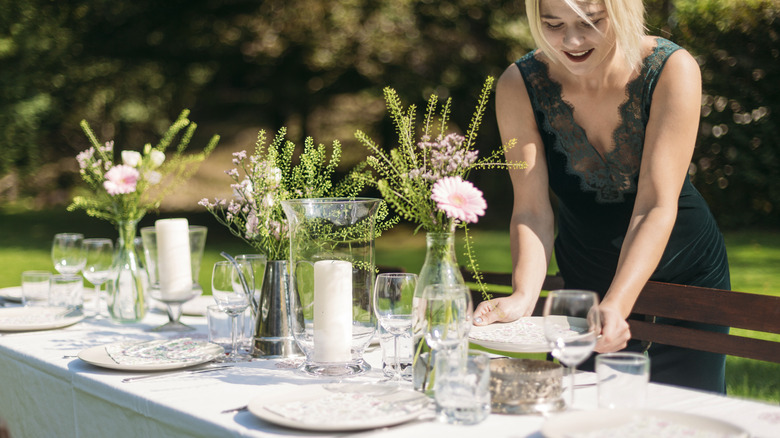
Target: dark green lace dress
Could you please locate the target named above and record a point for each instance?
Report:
(596, 198)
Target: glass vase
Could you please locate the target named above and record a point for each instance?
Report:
(440, 267)
(126, 289)
(331, 280)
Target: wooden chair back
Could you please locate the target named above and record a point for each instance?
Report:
(688, 303)
(710, 306)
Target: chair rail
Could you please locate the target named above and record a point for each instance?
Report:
(688, 303)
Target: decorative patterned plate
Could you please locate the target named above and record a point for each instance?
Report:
(330, 408)
(526, 335)
(639, 423)
(13, 294)
(155, 355)
(23, 319)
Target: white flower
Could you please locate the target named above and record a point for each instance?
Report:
(243, 190)
(131, 158)
(276, 175)
(268, 200)
(252, 223)
(157, 157)
(153, 177)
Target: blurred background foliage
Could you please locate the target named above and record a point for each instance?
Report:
(318, 67)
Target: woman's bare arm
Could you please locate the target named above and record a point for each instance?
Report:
(531, 225)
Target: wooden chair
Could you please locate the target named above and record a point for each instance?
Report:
(688, 303)
(710, 306)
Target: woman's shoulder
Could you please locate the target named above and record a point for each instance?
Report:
(661, 54)
(658, 50)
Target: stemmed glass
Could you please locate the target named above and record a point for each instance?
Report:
(232, 297)
(67, 253)
(393, 295)
(571, 325)
(447, 315)
(99, 257)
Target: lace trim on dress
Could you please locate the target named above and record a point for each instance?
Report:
(616, 173)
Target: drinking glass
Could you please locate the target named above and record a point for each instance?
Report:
(571, 326)
(67, 253)
(99, 256)
(393, 294)
(258, 263)
(231, 295)
(447, 315)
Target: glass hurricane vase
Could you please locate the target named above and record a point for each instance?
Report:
(331, 282)
(127, 286)
(440, 267)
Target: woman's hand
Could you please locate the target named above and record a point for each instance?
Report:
(505, 309)
(615, 332)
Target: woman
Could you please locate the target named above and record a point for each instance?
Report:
(607, 117)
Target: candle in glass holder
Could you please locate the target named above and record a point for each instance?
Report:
(332, 311)
(173, 258)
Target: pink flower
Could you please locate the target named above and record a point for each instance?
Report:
(120, 180)
(458, 199)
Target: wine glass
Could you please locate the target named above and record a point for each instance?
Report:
(571, 326)
(232, 294)
(99, 256)
(67, 253)
(447, 316)
(393, 295)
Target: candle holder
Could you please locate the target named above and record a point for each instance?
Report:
(173, 303)
(331, 280)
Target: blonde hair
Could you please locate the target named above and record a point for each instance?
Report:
(626, 16)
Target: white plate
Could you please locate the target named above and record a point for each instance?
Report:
(23, 319)
(13, 294)
(341, 407)
(526, 335)
(98, 356)
(194, 307)
(638, 423)
(197, 306)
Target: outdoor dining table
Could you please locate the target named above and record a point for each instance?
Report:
(46, 391)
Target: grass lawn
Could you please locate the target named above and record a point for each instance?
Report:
(754, 256)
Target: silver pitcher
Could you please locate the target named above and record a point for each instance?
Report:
(273, 335)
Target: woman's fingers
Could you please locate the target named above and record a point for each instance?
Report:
(488, 312)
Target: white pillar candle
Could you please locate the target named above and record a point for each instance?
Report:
(332, 311)
(173, 258)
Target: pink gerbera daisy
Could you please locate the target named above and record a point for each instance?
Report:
(120, 180)
(458, 199)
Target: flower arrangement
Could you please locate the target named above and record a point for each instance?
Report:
(126, 192)
(426, 181)
(255, 213)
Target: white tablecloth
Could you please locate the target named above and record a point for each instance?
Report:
(46, 392)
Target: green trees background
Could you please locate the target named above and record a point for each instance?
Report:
(318, 67)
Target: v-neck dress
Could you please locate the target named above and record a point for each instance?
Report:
(596, 195)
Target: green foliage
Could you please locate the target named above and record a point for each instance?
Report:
(156, 175)
(737, 44)
(271, 176)
(317, 66)
(406, 175)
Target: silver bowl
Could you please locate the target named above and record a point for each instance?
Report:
(525, 386)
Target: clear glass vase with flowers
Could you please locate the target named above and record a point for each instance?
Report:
(122, 192)
(426, 183)
(274, 173)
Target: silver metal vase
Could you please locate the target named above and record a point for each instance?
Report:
(273, 335)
